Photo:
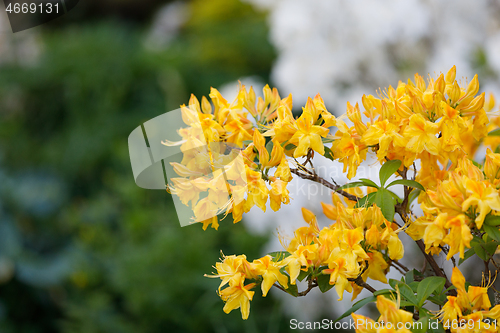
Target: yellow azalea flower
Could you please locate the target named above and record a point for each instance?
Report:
(283, 171)
(278, 194)
(452, 126)
(384, 134)
(237, 295)
(483, 196)
(230, 268)
(478, 297)
(284, 126)
(260, 144)
(257, 190)
(270, 271)
(459, 236)
(451, 311)
(492, 166)
(416, 229)
(308, 136)
(340, 270)
(364, 324)
(390, 312)
(277, 154)
(303, 256)
(352, 238)
(435, 234)
(348, 149)
(377, 266)
(421, 135)
(390, 239)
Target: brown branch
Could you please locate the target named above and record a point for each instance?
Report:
(324, 182)
(403, 267)
(401, 210)
(311, 284)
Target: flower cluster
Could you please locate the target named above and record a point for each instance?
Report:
(425, 133)
(234, 270)
(470, 310)
(255, 149)
(392, 319)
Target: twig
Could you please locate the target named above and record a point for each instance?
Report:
(397, 268)
(311, 284)
(326, 183)
(401, 266)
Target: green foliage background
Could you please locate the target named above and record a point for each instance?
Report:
(82, 248)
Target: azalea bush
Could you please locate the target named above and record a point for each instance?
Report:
(426, 135)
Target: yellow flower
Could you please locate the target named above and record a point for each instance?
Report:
(483, 196)
(384, 134)
(308, 136)
(270, 271)
(421, 135)
(435, 234)
(459, 236)
(278, 194)
(390, 312)
(237, 295)
(340, 270)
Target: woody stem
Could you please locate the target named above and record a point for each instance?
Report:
(324, 182)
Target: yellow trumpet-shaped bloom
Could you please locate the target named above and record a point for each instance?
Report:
(308, 136)
(421, 135)
(237, 295)
(484, 197)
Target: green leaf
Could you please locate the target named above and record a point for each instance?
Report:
(387, 170)
(349, 185)
(427, 286)
(290, 146)
(481, 252)
(358, 305)
(366, 201)
(247, 142)
(434, 326)
(492, 232)
(491, 247)
(413, 195)
(328, 153)
(495, 132)
(405, 291)
(384, 292)
(492, 220)
(469, 253)
(420, 326)
(439, 300)
(327, 140)
(279, 255)
(303, 275)
(395, 196)
(414, 285)
(407, 182)
(369, 182)
(324, 283)
(410, 277)
(386, 202)
(292, 290)
(269, 147)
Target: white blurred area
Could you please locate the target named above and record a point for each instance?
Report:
(343, 49)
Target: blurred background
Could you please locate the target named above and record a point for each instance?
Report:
(82, 248)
